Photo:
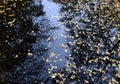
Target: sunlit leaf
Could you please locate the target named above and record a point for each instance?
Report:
(118, 75)
(29, 54)
(72, 77)
(115, 81)
(47, 60)
(53, 76)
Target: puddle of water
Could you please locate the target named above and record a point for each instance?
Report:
(52, 13)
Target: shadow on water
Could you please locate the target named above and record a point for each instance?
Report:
(17, 33)
(25, 36)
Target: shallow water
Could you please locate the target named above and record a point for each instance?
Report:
(58, 42)
(52, 13)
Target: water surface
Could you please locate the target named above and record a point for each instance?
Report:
(59, 42)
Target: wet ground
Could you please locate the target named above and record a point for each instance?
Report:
(60, 42)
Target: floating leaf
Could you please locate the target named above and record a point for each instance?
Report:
(47, 60)
(48, 39)
(72, 77)
(60, 60)
(115, 81)
(55, 38)
(118, 75)
(60, 74)
(29, 54)
(52, 54)
(62, 45)
(55, 60)
(76, 35)
(68, 29)
(55, 67)
(53, 76)
(16, 56)
(65, 50)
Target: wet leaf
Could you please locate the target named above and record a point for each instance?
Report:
(1, 11)
(47, 60)
(118, 75)
(65, 50)
(48, 39)
(55, 60)
(16, 56)
(72, 77)
(62, 45)
(60, 60)
(115, 81)
(29, 54)
(53, 76)
(52, 54)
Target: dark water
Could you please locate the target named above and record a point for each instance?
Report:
(59, 42)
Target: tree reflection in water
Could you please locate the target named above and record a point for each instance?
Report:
(94, 46)
(92, 28)
(18, 33)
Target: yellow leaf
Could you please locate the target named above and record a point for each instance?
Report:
(60, 75)
(1, 11)
(29, 54)
(53, 76)
(76, 35)
(118, 75)
(104, 78)
(72, 77)
(115, 81)
(47, 60)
